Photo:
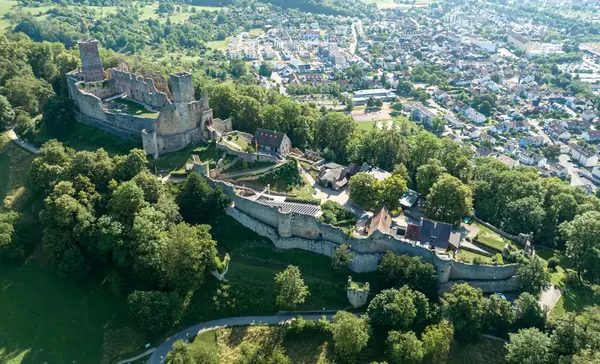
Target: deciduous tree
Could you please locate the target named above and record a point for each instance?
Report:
(404, 348)
(428, 174)
(350, 335)
(292, 290)
(529, 346)
(464, 307)
(437, 340)
(583, 244)
(528, 312)
(397, 309)
(341, 257)
(533, 275)
(449, 200)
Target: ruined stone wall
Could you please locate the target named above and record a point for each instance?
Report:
(248, 157)
(173, 142)
(138, 88)
(501, 285)
(102, 89)
(90, 61)
(179, 118)
(462, 270)
(309, 234)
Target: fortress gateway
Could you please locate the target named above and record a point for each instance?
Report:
(140, 106)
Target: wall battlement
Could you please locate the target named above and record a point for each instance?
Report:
(308, 233)
(181, 119)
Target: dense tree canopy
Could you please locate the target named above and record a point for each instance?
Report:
(449, 200)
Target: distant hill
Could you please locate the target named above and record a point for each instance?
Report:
(332, 7)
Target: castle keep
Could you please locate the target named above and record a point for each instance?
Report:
(140, 106)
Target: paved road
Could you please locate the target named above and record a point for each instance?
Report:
(550, 297)
(158, 356)
(23, 144)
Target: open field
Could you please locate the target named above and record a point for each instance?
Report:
(227, 343)
(147, 12)
(219, 45)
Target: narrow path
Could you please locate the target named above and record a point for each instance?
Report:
(147, 352)
(23, 144)
(159, 354)
(250, 171)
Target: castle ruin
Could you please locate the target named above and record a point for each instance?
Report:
(140, 106)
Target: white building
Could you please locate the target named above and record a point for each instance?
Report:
(583, 156)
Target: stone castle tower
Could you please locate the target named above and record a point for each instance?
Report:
(183, 87)
(90, 61)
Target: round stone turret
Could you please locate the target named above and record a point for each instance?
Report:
(357, 293)
(284, 226)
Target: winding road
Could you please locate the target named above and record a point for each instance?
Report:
(159, 354)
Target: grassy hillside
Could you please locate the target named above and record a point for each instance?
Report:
(226, 343)
(14, 168)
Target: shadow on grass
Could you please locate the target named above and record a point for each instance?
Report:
(46, 318)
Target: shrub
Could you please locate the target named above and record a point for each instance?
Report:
(497, 259)
(306, 200)
(335, 214)
(553, 263)
(301, 328)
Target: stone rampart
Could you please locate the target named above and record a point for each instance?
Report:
(289, 230)
(138, 88)
(248, 157)
(501, 285)
(462, 270)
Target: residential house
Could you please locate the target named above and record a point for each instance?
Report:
(576, 125)
(474, 116)
(591, 136)
(471, 132)
(534, 140)
(530, 158)
(423, 115)
(335, 176)
(381, 220)
(272, 141)
(579, 104)
(433, 234)
(508, 161)
(588, 115)
(584, 156)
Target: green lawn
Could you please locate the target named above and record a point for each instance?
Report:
(131, 107)
(219, 45)
(489, 238)
(558, 275)
(5, 7)
(83, 137)
(255, 32)
(175, 161)
(240, 141)
(366, 125)
(470, 257)
(48, 319)
(575, 298)
(304, 190)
